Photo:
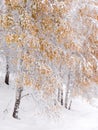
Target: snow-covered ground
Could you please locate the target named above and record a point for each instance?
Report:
(81, 117)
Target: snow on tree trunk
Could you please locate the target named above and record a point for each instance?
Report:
(19, 85)
(67, 92)
(7, 75)
(69, 107)
(17, 102)
(59, 94)
(62, 97)
(7, 56)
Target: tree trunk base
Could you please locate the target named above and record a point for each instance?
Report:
(17, 102)
(7, 78)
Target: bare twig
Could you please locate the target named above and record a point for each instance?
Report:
(25, 95)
